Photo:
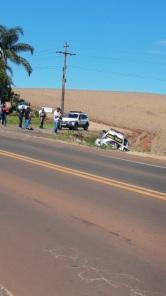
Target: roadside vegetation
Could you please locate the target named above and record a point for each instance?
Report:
(80, 136)
(10, 49)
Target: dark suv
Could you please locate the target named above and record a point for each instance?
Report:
(74, 120)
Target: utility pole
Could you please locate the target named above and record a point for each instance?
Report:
(65, 53)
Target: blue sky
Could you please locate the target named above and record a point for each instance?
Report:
(120, 45)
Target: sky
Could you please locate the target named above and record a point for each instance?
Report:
(120, 45)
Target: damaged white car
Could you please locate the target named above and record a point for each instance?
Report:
(113, 139)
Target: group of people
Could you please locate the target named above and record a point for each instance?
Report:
(3, 114)
(25, 115)
(56, 117)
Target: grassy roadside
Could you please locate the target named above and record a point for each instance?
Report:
(12, 120)
(80, 136)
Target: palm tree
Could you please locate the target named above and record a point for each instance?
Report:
(10, 48)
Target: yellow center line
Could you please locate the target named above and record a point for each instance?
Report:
(88, 176)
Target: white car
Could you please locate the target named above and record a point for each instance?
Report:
(22, 106)
(113, 139)
(74, 120)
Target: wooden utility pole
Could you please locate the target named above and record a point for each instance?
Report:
(65, 53)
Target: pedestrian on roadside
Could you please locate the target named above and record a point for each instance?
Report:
(30, 122)
(56, 120)
(0, 113)
(21, 116)
(42, 115)
(27, 118)
(4, 114)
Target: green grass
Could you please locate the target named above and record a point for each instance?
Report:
(12, 120)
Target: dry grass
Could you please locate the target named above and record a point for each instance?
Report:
(136, 112)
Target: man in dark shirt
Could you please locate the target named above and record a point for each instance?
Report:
(21, 116)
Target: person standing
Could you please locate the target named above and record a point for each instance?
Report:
(27, 118)
(0, 112)
(4, 114)
(30, 121)
(42, 115)
(56, 119)
(21, 116)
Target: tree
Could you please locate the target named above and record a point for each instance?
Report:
(11, 47)
(5, 84)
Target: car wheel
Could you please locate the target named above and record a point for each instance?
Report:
(86, 127)
(76, 126)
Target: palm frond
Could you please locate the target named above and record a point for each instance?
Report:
(22, 47)
(9, 43)
(26, 65)
(9, 69)
(17, 30)
(20, 61)
(2, 29)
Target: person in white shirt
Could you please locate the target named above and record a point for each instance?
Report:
(56, 119)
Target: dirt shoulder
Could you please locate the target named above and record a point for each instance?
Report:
(141, 141)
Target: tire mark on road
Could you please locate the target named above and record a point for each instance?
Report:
(4, 291)
(97, 278)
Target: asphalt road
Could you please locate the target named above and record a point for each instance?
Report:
(80, 221)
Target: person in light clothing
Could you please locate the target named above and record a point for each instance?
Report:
(56, 119)
(42, 115)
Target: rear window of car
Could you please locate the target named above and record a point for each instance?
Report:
(83, 116)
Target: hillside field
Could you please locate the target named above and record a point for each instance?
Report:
(142, 116)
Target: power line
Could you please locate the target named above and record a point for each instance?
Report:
(124, 60)
(118, 51)
(49, 55)
(133, 75)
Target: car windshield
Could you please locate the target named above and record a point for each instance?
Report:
(72, 115)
